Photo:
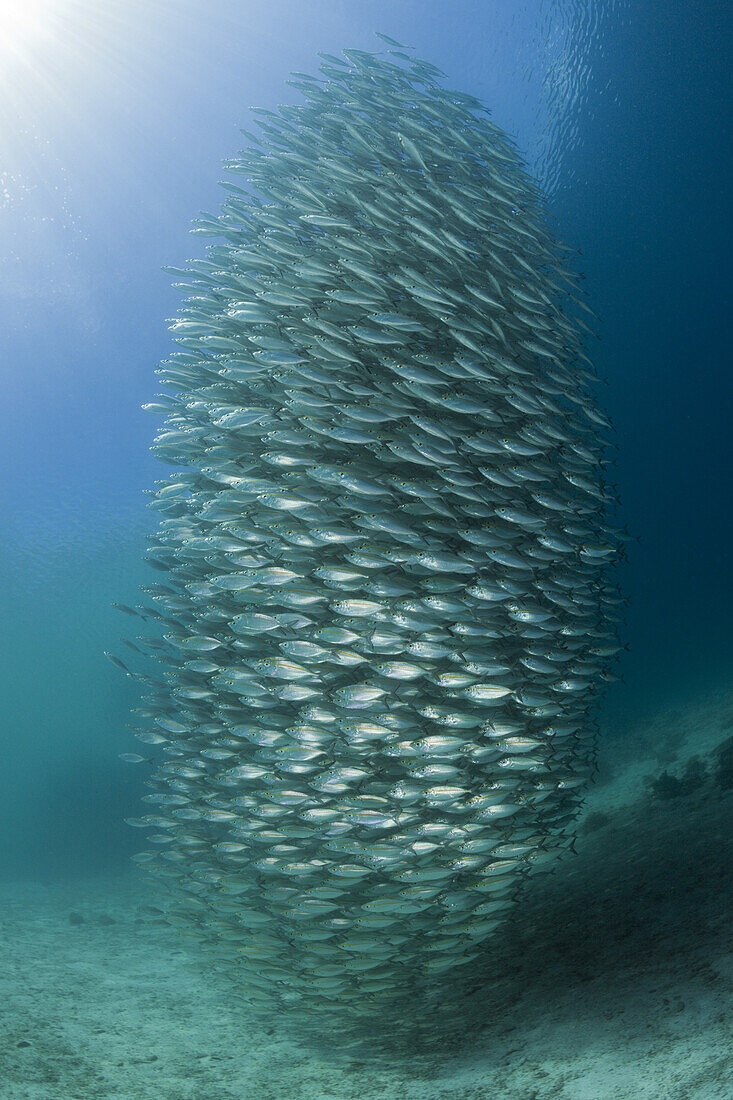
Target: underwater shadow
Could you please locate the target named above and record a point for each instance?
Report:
(650, 887)
(646, 894)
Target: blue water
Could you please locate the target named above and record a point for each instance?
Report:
(115, 121)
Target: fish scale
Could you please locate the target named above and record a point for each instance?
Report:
(384, 421)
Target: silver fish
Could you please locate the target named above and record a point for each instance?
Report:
(387, 611)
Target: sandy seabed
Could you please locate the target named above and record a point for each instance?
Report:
(612, 980)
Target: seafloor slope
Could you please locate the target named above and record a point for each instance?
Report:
(613, 980)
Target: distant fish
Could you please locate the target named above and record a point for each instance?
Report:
(133, 612)
(117, 663)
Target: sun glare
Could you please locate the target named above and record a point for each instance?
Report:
(22, 21)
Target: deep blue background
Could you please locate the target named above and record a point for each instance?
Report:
(113, 138)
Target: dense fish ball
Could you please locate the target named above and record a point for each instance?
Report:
(384, 609)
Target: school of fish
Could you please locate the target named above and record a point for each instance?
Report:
(385, 611)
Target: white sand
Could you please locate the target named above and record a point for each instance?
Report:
(613, 981)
